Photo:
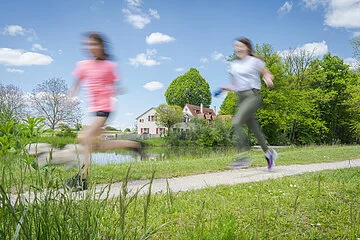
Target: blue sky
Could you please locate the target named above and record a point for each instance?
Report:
(155, 41)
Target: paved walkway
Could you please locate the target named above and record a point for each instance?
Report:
(200, 181)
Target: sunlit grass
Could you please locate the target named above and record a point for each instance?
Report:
(206, 160)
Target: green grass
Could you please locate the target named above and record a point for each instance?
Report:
(205, 160)
(322, 205)
(56, 141)
(189, 162)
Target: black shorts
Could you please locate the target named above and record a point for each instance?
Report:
(102, 114)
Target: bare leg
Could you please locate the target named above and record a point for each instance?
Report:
(86, 138)
(89, 139)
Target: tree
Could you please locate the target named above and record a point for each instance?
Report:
(333, 79)
(228, 106)
(12, 104)
(355, 42)
(49, 100)
(189, 88)
(110, 128)
(168, 115)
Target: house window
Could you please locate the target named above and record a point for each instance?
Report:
(152, 118)
(141, 120)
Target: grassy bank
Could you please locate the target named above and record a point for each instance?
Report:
(322, 205)
(209, 161)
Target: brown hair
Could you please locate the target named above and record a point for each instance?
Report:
(248, 44)
(101, 40)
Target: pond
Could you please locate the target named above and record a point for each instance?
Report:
(153, 154)
(102, 158)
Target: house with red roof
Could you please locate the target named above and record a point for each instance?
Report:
(146, 122)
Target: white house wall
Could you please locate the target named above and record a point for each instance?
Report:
(147, 121)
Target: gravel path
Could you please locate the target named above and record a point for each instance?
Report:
(200, 181)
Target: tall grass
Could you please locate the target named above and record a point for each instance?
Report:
(60, 214)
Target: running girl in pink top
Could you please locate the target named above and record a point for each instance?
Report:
(98, 76)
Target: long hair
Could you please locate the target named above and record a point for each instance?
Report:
(249, 45)
(101, 39)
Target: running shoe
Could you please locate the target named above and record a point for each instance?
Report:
(270, 157)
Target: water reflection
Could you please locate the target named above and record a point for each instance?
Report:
(103, 158)
(157, 154)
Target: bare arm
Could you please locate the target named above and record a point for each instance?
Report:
(228, 87)
(75, 88)
(267, 77)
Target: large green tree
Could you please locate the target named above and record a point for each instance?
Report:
(334, 80)
(190, 88)
(228, 106)
(168, 115)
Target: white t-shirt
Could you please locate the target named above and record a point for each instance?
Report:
(245, 73)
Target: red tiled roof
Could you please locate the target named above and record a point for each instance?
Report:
(195, 110)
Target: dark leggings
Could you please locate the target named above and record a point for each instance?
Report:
(248, 103)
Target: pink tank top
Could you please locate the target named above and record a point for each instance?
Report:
(98, 77)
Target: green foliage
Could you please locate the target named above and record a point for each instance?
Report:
(202, 133)
(355, 42)
(109, 128)
(313, 101)
(168, 115)
(65, 131)
(228, 106)
(190, 88)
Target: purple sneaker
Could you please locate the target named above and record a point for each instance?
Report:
(241, 162)
(270, 157)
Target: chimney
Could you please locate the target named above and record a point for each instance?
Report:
(201, 108)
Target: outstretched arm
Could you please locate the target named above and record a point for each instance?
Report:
(267, 77)
(75, 88)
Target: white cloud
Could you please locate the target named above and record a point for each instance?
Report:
(343, 13)
(38, 46)
(145, 59)
(136, 16)
(157, 37)
(60, 52)
(154, 13)
(18, 57)
(352, 62)
(165, 58)
(97, 4)
(179, 69)
(314, 4)
(318, 49)
(286, 8)
(152, 86)
(217, 56)
(204, 60)
(338, 13)
(138, 21)
(134, 3)
(16, 30)
(14, 70)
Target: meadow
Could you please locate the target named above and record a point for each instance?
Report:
(321, 205)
